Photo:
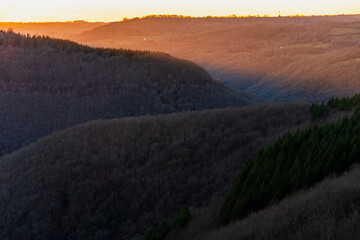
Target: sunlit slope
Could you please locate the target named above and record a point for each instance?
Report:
(153, 27)
(280, 59)
(48, 85)
(113, 179)
(63, 30)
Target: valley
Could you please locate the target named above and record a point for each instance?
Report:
(172, 127)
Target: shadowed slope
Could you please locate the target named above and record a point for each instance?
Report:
(329, 210)
(113, 179)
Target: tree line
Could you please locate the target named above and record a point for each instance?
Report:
(321, 110)
(293, 162)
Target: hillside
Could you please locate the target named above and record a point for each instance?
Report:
(278, 59)
(169, 26)
(48, 85)
(107, 143)
(258, 205)
(295, 161)
(64, 30)
(115, 178)
(329, 210)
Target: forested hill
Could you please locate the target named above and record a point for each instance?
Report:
(279, 59)
(278, 194)
(49, 84)
(113, 179)
(42, 64)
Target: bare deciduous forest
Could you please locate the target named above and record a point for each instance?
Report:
(116, 178)
(330, 210)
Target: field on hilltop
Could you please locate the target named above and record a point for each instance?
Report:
(279, 59)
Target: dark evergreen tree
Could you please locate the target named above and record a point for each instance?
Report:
(295, 161)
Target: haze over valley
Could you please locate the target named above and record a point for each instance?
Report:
(278, 59)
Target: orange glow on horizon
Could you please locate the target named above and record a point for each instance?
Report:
(179, 16)
(116, 10)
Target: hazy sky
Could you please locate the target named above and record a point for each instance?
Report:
(112, 10)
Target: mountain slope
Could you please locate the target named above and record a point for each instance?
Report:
(329, 210)
(294, 162)
(48, 85)
(113, 179)
(279, 59)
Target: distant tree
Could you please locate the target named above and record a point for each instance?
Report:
(182, 218)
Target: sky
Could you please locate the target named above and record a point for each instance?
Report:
(115, 10)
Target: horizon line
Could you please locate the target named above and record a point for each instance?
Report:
(187, 16)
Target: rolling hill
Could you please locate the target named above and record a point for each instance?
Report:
(118, 174)
(259, 205)
(278, 59)
(115, 178)
(48, 85)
